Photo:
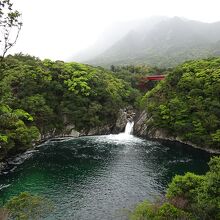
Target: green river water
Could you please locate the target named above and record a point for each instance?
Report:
(100, 177)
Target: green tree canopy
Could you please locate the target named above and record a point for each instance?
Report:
(187, 103)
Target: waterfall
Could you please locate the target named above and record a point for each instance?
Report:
(129, 127)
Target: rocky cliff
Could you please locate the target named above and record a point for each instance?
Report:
(143, 128)
(118, 126)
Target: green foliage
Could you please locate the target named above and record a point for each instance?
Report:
(188, 197)
(149, 211)
(185, 186)
(23, 114)
(201, 193)
(209, 192)
(216, 136)
(3, 138)
(187, 103)
(143, 211)
(26, 206)
(15, 133)
(168, 211)
(135, 75)
(48, 96)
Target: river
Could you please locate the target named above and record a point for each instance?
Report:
(101, 177)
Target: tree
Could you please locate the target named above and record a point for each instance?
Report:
(27, 206)
(10, 26)
(188, 197)
(15, 130)
(187, 104)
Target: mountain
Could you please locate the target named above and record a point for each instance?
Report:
(112, 35)
(160, 41)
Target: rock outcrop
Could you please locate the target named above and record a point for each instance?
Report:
(124, 115)
(143, 128)
(101, 130)
(121, 121)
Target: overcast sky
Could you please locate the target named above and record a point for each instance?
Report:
(56, 29)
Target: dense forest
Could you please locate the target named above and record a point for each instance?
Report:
(44, 97)
(187, 103)
(41, 98)
(188, 197)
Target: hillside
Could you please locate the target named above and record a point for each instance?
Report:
(187, 103)
(41, 99)
(112, 34)
(164, 42)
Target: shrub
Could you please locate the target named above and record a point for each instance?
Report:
(188, 197)
(209, 193)
(151, 211)
(185, 187)
(144, 210)
(169, 212)
(26, 206)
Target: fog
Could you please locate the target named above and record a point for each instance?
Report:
(60, 30)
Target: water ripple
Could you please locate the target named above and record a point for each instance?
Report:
(99, 177)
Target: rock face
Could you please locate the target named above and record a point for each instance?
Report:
(124, 115)
(121, 121)
(102, 130)
(143, 128)
(141, 124)
(70, 131)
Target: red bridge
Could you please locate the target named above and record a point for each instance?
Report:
(155, 77)
(146, 82)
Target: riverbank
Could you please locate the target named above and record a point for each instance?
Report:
(99, 176)
(143, 128)
(10, 163)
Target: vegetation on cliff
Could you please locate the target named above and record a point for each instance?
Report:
(189, 197)
(41, 97)
(187, 103)
(136, 75)
(26, 206)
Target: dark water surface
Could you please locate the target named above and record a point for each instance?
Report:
(101, 177)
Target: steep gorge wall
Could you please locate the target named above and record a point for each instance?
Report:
(115, 127)
(143, 128)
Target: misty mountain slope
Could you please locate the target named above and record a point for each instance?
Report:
(166, 44)
(113, 34)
